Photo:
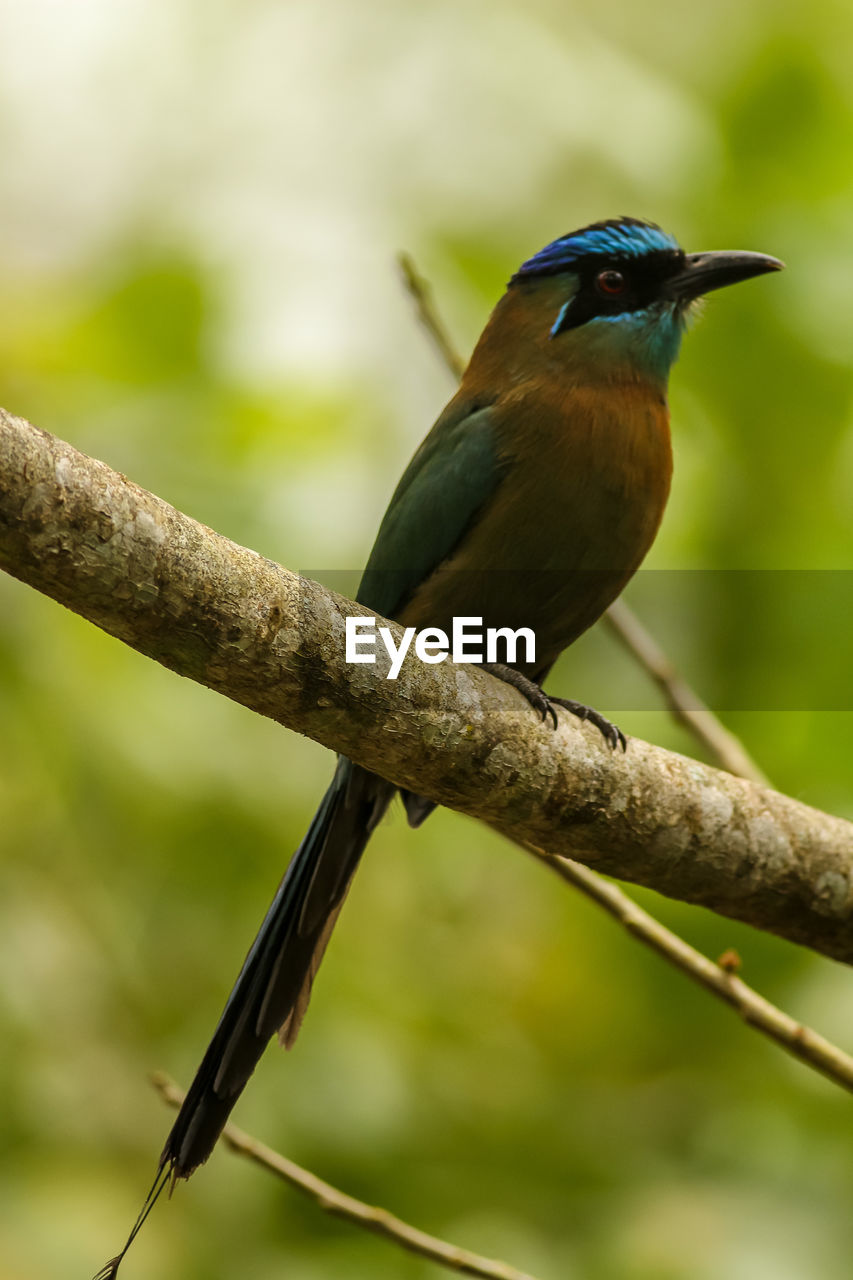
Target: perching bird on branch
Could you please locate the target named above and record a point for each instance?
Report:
(531, 502)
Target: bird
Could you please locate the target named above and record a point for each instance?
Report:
(530, 503)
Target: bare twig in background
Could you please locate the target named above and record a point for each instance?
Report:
(724, 748)
(798, 1040)
(721, 744)
(336, 1202)
(421, 294)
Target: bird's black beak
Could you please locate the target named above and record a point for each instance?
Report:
(702, 272)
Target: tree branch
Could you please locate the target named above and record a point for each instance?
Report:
(421, 294)
(341, 1205)
(719, 978)
(232, 620)
(685, 705)
(688, 709)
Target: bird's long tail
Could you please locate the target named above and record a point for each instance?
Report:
(272, 991)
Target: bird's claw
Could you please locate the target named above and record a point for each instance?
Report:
(540, 702)
(547, 706)
(612, 734)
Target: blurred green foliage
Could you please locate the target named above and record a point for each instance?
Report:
(485, 1054)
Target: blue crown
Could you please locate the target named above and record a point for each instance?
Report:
(615, 238)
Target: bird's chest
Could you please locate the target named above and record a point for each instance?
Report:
(583, 489)
(587, 480)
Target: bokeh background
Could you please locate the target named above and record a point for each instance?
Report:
(200, 204)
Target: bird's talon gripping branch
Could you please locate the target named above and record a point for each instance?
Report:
(612, 734)
(529, 689)
(547, 706)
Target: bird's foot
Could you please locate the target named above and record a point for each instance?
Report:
(529, 689)
(612, 734)
(547, 706)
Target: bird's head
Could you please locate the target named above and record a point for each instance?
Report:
(626, 287)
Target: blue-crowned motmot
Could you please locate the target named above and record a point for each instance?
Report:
(531, 502)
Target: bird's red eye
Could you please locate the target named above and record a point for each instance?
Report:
(610, 282)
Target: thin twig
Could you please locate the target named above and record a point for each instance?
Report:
(718, 978)
(421, 294)
(724, 747)
(341, 1205)
(688, 709)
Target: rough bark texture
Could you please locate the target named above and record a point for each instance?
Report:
(235, 621)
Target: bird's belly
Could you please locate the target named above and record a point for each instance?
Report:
(559, 540)
(557, 603)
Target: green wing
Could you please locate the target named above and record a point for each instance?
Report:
(452, 475)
